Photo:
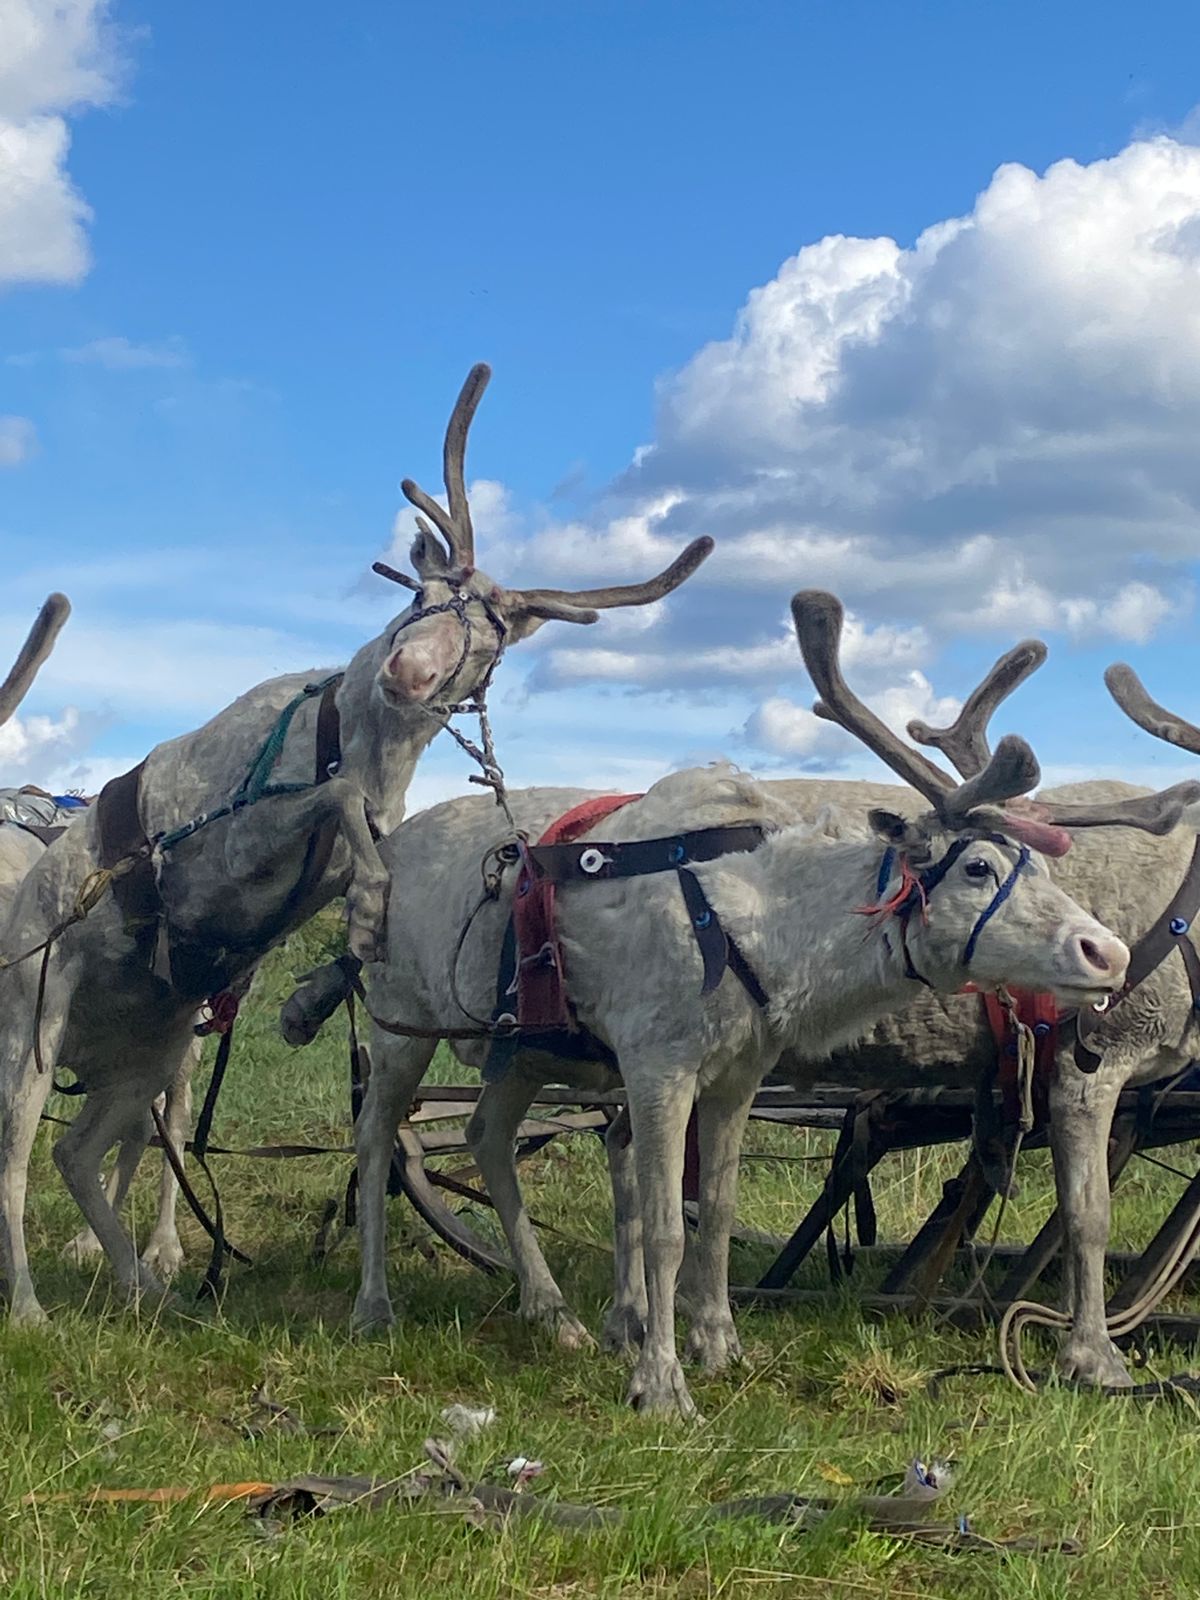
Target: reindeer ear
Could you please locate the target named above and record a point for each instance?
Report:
(427, 554)
(899, 832)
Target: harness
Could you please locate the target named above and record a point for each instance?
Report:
(532, 1009)
(1171, 932)
(917, 887)
(188, 966)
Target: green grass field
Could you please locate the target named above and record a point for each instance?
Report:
(107, 1397)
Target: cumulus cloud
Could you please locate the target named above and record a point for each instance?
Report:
(33, 745)
(18, 440)
(987, 433)
(56, 57)
(785, 728)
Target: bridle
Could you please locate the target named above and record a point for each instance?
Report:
(458, 606)
(916, 889)
(483, 753)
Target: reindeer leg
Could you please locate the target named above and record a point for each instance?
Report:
(112, 1112)
(263, 835)
(660, 1101)
(722, 1114)
(164, 1252)
(1081, 1113)
(397, 1067)
(23, 1091)
(625, 1324)
(492, 1135)
(85, 1246)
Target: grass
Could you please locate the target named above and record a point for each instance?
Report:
(105, 1396)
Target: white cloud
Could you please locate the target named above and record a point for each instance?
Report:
(492, 517)
(119, 354)
(785, 728)
(56, 57)
(18, 440)
(26, 742)
(986, 434)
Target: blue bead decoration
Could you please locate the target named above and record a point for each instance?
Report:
(1010, 1049)
(678, 854)
(703, 920)
(1179, 926)
(1041, 1029)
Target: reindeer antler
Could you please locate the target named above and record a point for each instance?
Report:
(629, 594)
(1130, 694)
(33, 653)
(964, 743)
(455, 526)
(1152, 813)
(1011, 771)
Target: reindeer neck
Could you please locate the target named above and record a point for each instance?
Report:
(790, 905)
(381, 746)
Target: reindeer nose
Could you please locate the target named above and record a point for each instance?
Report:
(411, 675)
(1107, 956)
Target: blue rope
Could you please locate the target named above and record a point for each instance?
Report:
(1002, 894)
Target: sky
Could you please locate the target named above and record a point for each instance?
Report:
(897, 300)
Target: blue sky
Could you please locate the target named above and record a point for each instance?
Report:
(711, 252)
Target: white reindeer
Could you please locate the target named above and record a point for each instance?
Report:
(634, 975)
(223, 875)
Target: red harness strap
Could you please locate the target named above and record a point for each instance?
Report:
(1036, 1011)
(541, 992)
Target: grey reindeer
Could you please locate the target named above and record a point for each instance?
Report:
(634, 975)
(237, 834)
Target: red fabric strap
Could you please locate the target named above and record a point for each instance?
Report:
(541, 990)
(1032, 1010)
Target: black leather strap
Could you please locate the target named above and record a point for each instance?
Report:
(1168, 933)
(634, 858)
(122, 835)
(329, 734)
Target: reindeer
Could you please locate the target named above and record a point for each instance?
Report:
(1127, 879)
(20, 847)
(630, 952)
(224, 840)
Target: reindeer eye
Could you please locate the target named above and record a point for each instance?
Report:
(979, 868)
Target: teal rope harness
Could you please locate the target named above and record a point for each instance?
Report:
(256, 785)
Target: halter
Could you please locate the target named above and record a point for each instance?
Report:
(917, 887)
(458, 604)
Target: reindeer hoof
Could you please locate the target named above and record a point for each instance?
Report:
(624, 1328)
(659, 1389)
(373, 1314)
(713, 1344)
(1097, 1364)
(558, 1319)
(27, 1313)
(163, 1257)
(82, 1249)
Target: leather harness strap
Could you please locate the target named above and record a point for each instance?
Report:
(122, 835)
(1170, 932)
(525, 973)
(329, 733)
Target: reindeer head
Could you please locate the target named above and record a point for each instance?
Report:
(961, 896)
(445, 647)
